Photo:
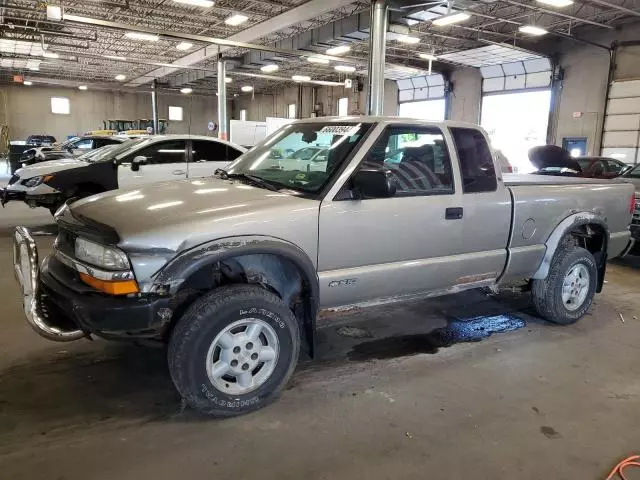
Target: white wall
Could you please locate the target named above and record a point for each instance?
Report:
(28, 110)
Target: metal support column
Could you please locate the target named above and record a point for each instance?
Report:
(222, 101)
(154, 107)
(377, 47)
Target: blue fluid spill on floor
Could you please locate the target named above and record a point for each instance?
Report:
(457, 331)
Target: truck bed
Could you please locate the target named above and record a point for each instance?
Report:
(513, 179)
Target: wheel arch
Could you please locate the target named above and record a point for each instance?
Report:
(275, 264)
(585, 229)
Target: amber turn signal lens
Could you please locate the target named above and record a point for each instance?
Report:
(123, 287)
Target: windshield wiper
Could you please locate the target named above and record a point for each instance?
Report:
(261, 182)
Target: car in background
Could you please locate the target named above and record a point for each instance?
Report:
(39, 140)
(144, 160)
(632, 175)
(601, 167)
(554, 160)
(71, 148)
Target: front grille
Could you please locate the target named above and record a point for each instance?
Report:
(14, 179)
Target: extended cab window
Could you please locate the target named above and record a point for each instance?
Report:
(172, 151)
(204, 151)
(417, 157)
(476, 162)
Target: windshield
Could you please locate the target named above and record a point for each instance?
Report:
(634, 172)
(301, 156)
(106, 154)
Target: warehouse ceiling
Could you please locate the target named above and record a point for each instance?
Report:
(98, 40)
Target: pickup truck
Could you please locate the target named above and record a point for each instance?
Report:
(230, 271)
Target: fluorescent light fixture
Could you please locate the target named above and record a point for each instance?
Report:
(408, 39)
(33, 67)
(235, 20)
(147, 37)
(557, 3)
(50, 55)
(338, 50)
(82, 87)
(184, 46)
(228, 79)
(197, 3)
(532, 30)
(121, 77)
(247, 88)
(54, 12)
(115, 57)
(345, 68)
(451, 18)
(428, 56)
(322, 61)
(28, 84)
(270, 68)
(301, 78)
(186, 90)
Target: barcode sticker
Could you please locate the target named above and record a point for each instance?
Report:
(345, 130)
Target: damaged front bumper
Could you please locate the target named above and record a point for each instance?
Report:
(59, 307)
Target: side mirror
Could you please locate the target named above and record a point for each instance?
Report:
(137, 161)
(373, 183)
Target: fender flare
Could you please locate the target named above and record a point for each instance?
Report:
(179, 269)
(552, 243)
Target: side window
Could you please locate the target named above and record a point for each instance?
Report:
(172, 151)
(613, 167)
(417, 158)
(101, 142)
(204, 151)
(83, 144)
(476, 162)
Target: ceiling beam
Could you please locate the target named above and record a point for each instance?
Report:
(613, 6)
(306, 11)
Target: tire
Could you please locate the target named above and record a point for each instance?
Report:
(548, 293)
(197, 341)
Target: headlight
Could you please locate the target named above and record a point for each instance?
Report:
(35, 181)
(101, 256)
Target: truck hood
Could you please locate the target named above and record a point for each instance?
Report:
(177, 215)
(51, 166)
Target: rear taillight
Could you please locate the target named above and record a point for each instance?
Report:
(632, 203)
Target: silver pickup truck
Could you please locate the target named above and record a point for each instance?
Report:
(232, 270)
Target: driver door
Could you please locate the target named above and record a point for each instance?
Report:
(373, 248)
(165, 160)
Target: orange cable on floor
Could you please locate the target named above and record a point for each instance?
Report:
(618, 469)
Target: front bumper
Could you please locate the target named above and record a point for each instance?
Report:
(60, 307)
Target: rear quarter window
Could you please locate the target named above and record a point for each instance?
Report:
(476, 162)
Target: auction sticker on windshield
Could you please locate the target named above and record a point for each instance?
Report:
(346, 130)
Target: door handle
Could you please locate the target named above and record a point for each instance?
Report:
(179, 172)
(453, 213)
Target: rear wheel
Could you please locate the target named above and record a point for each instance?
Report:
(566, 294)
(234, 350)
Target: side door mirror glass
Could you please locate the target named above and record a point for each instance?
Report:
(137, 161)
(374, 183)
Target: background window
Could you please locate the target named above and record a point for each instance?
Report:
(213, 151)
(476, 162)
(343, 106)
(292, 110)
(60, 105)
(163, 152)
(243, 115)
(418, 159)
(175, 114)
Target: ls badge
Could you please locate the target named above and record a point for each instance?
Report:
(347, 282)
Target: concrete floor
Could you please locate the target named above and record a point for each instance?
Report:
(388, 399)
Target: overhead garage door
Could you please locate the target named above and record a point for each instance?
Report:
(516, 98)
(621, 137)
(422, 97)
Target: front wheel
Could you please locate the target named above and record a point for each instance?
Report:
(234, 350)
(566, 294)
